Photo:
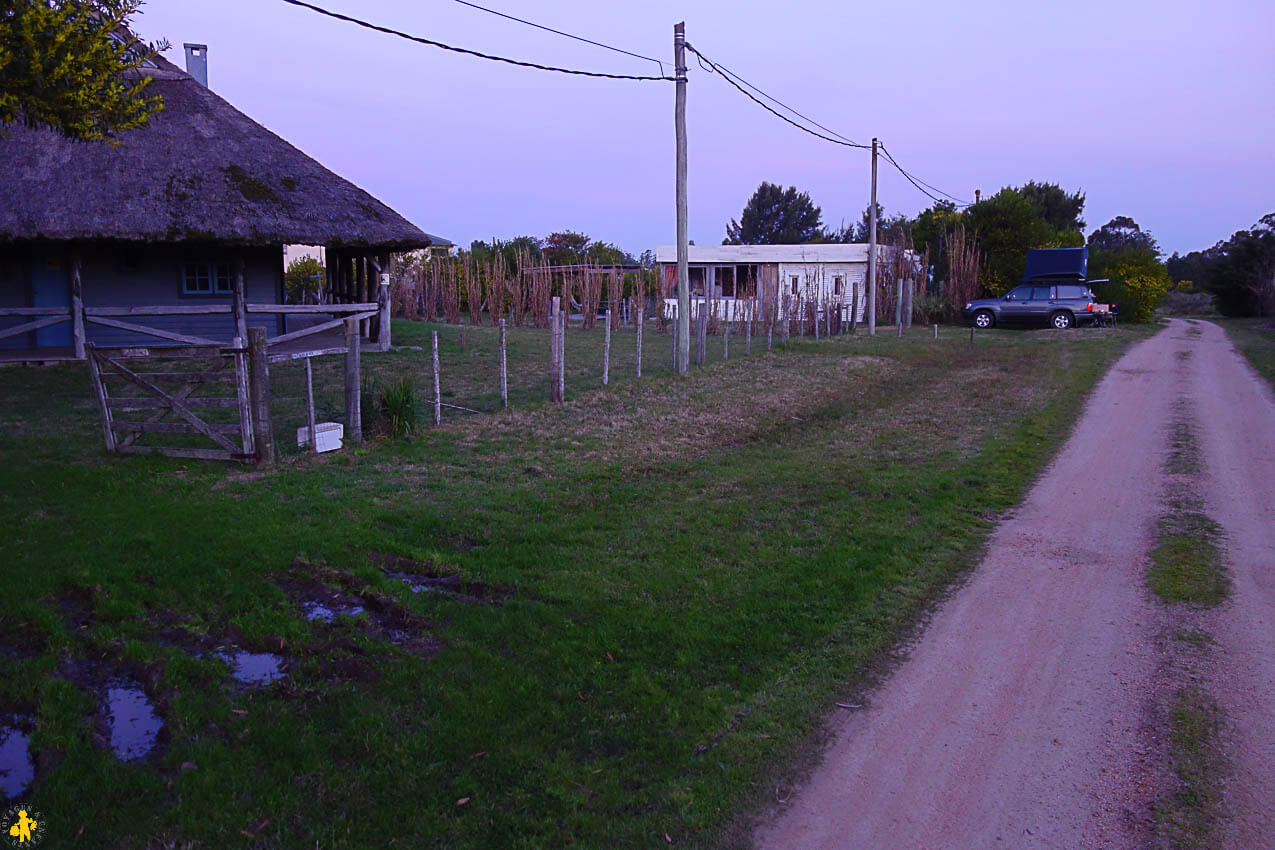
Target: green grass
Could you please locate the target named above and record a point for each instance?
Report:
(1255, 338)
(1186, 563)
(696, 568)
(1188, 817)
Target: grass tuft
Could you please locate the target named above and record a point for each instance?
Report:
(1188, 818)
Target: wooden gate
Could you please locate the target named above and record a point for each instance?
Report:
(168, 386)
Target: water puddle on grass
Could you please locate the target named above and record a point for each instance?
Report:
(131, 719)
(254, 668)
(16, 768)
(418, 584)
(326, 613)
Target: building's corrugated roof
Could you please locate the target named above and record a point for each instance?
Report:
(854, 252)
(200, 171)
(1056, 264)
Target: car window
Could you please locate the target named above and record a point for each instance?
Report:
(1041, 293)
(1022, 293)
(1071, 292)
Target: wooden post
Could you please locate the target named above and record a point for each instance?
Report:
(748, 328)
(259, 382)
(504, 369)
(100, 390)
(971, 333)
(725, 333)
(383, 313)
(77, 307)
(353, 411)
(682, 352)
(936, 331)
(898, 304)
(606, 351)
(553, 348)
(676, 344)
(309, 406)
(562, 356)
(854, 307)
(907, 301)
(438, 395)
(872, 248)
(243, 396)
(641, 320)
(786, 328)
(237, 302)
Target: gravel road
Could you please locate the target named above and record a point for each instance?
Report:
(1020, 716)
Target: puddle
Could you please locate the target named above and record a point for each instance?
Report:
(327, 612)
(254, 668)
(16, 768)
(131, 719)
(452, 586)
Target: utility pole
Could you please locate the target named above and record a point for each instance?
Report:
(872, 248)
(683, 252)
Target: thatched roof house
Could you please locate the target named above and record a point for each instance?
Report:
(188, 210)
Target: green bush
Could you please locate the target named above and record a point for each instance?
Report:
(398, 408)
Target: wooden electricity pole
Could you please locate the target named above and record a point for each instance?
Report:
(683, 254)
(872, 248)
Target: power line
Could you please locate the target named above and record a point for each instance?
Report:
(560, 32)
(729, 72)
(917, 182)
(730, 79)
(419, 40)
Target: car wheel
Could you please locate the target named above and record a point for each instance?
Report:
(1062, 320)
(984, 319)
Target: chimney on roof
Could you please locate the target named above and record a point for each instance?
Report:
(197, 62)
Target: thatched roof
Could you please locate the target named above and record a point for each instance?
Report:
(201, 171)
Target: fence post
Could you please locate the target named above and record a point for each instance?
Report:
(383, 314)
(907, 306)
(438, 396)
(353, 412)
(562, 355)
(898, 304)
(103, 407)
(309, 406)
(854, 307)
(606, 351)
(748, 329)
(237, 304)
(259, 390)
(504, 369)
(641, 320)
(77, 307)
(674, 340)
(554, 345)
(936, 331)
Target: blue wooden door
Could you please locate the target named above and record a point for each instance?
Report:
(51, 287)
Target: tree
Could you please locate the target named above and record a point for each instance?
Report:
(1120, 234)
(304, 278)
(776, 216)
(1006, 225)
(74, 66)
(1240, 272)
(1136, 280)
(1060, 210)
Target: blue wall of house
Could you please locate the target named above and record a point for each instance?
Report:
(135, 275)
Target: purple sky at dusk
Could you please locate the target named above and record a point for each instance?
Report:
(1157, 110)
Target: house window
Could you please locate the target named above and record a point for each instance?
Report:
(838, 284)
(796, 285)
(207, 279)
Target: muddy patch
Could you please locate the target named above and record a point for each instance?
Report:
(378, 615)
(131, 720)
(17, 769)
(430, 576)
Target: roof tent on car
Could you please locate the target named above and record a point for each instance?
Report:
(1056, 264)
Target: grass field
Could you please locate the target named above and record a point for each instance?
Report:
(1255, 338)
(642, 602)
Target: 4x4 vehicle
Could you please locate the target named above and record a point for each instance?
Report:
(1058, 305)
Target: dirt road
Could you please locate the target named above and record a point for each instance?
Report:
(1020, 718)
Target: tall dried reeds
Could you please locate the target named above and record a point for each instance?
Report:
(963, 263)
(473, 288)
(450, 295)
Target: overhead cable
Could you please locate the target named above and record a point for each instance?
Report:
(560, 32)
(419, 40)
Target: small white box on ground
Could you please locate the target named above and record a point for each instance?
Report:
(327, 435)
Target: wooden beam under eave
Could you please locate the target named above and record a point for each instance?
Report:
(77, 306)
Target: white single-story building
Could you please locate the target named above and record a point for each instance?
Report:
(771, 276)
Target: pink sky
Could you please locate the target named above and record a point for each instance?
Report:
(1156, 110)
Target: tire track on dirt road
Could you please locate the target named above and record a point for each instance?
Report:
(1020, 717)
